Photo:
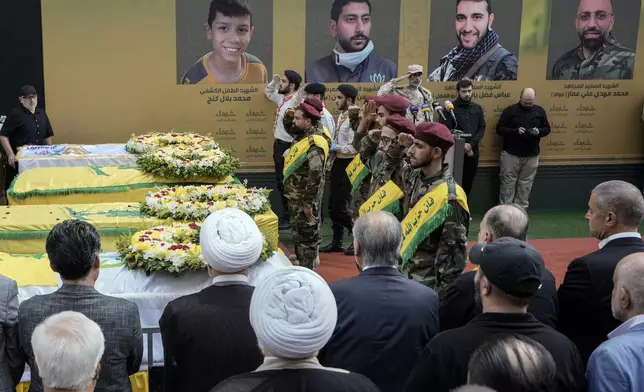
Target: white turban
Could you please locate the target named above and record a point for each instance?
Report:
(230, 240)
(293, 313)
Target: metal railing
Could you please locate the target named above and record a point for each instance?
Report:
(149, 333)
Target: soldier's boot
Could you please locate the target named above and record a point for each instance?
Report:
(284, 223)
(336, 244)
(349, 251)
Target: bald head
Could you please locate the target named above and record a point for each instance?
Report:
(506, 220)
(628, 292)
(528, 93)
(377, 239)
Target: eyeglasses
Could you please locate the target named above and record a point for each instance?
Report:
(599, 15)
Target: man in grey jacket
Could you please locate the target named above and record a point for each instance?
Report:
(73, 248)
(11, 363)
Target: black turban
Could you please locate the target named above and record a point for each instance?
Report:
(293, 77)
(348, 91)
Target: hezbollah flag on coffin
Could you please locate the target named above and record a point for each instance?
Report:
(428, 214)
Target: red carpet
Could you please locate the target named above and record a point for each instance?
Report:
(557, 253)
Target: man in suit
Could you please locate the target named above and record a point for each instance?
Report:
(615, 211)
(11, 362)
(73, 248)
(458, 306)
(207, 336)
(384, 319)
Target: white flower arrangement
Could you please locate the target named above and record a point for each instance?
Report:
(195, 203)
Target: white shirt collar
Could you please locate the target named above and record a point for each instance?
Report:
(235, 278)
(606, 240)
(379, 266)
(626, 326)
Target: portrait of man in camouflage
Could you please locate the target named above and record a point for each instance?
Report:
(479, 55)
(599, 54)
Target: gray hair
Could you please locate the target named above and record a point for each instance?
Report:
(507, 220)
(630, 275)
(68, 347)
(621, 198)
(379, 236)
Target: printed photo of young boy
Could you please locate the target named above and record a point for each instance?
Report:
(229, 29)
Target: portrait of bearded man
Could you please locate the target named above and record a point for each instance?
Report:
(479, 56)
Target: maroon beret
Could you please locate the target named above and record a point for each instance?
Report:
(393, 103)
(316, 103)
(309, 110)
(400, 124)
(435, 134)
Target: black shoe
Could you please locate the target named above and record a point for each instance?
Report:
(349, 251)
(284, 225)
(333, 247)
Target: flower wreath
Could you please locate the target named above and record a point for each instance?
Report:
(195, 203)
(182, 156)
(152, 141)
(174, 249)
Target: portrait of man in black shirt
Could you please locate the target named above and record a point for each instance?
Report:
(25, 125)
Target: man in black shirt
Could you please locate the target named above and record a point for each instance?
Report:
(471, 120)
(509, 275)
(26, 125)
(458, 306)
(522, 126)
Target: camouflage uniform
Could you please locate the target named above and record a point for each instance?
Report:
(382, 170)
(612, 61)
(306, 186)
(441, 258)
(360, 196)
(416, 96)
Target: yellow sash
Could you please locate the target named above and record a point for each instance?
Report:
(327, 133)
(427, 215)
(384, 199)
(357, 172)
(297, 156)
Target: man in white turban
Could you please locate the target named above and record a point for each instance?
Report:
(207, 336)
(293, 313)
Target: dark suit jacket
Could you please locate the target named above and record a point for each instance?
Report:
(11, 362)
(384, 322)
(584, 296)
(207, 338)
(458, 306)
(118, 318)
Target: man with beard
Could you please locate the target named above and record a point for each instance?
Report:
(521, 126)
(304, 179)
(352, 60)
(386, 180)
(417, 95)
(458, 306)
(436, 213)
(508, 276)
(317, 91)
(600, 55)
(478, 56)
(342, 154)
(470, 119)
(285, 91)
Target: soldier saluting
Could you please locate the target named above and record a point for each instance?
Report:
(436, 213)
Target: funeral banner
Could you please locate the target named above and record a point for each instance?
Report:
(121, 67)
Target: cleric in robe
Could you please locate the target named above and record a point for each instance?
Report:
(479, 56)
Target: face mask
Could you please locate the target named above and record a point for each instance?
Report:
(352, 60)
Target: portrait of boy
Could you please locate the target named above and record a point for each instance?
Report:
(229, 29)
